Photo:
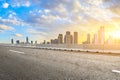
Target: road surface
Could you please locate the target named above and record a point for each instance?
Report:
(38, 64)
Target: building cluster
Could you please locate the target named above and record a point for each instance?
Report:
(26, 42)
(66, 39)
(97, 38)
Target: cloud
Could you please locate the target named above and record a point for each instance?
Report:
(54, 3)
(18, 35)
(20, 3)
(61, 15)
(5, 5)
(114, 6)
(5, 27)
(12, 20)
(36, 32)
(27, 4)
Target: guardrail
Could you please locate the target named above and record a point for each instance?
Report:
(70, 49)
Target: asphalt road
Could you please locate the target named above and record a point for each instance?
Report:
(37, 64)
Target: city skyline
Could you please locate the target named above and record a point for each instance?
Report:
(43, 19)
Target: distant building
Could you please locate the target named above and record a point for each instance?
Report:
(101, 35)
(95, 39)
(68, 39)
(75, 37)
(110, 40)
(60, 39)
(51, 41)
(35, 42)
(22, 43)
(44, 42)
(17, 42)
(54, 41)
(88, 38)
(48, 42)
(27, 40)
(12, 41)
(31, 42)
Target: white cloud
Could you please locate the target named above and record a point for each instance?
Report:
(27, 4)
(35, 32)
(12, 20)
(95, 2)
(17, 3)
(92, 9)
(18, 35)
(5, 27)
(5, 5)
(46, 11)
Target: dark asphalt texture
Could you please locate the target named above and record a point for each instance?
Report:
(37, 64)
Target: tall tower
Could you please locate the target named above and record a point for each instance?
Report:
(31, 42)
(95, 39)
(75, 37)
(12, 41)
(101, 35)
(35, 42)
(17, 42)
(60, 39)
(68, 39)
(27, 40)
(88, 38)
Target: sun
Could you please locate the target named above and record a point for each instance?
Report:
(116, 34)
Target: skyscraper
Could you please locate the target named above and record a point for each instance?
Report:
(31, 42)
(75, 37)
(95, 39)
(68, 39)
(12, 41)
(35, 42)
(60, 39)
(51, 41)
(101, 35)
(27, 40)
(88, 38)
(54, 41)
(17, 42)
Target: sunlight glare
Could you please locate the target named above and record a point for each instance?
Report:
(116, 34)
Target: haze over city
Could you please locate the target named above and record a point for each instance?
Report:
(44, 19)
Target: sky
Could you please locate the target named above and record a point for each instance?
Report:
(45, 19)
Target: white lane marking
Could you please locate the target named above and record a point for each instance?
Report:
(17, 51)
(115, 71)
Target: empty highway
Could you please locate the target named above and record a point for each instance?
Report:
(37, 64)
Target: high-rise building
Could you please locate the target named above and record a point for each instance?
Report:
(44, 42)
(95, 39)
(12, 41)
(27, 40)
(48, 42)
(60, 39)
(68, 39)
(17, 42)
(75, 37)
(35, 42)
(55, 41)
(101, 35)
(51, 41)
(88, 38)
(31, 42)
